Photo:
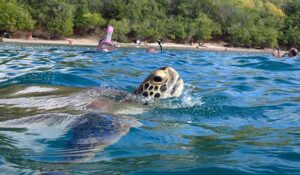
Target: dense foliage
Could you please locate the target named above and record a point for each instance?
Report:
(248, 23)
(14, 17)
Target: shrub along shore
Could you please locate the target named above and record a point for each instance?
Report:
(240, 23)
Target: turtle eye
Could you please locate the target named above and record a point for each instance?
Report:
(157, 79)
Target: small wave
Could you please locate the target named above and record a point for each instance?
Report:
(50, 78)
(265, 64)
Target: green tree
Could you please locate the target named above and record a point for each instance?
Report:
(263, 36)
(202, 26)
(14, 17)
(147, 19)
(114, 9)
(61, 22)
(55, 16)
(252, 36)
(89, 22)
(239, 36)
(291, 29)
(121, 29)
(175, 30)
(92, 20)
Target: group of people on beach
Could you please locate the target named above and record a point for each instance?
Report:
(106, 44)
(293, 52)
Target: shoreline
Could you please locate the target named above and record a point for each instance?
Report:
(93, 43)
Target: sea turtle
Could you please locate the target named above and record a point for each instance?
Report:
(162, 83)
(60, 137)
(63, 137)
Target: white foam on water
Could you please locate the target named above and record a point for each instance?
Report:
(130, 110)
(35, 89)
(186, 100)
(189, 100)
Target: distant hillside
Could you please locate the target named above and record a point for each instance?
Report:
(247, 23)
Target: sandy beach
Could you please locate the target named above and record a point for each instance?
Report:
(94, 42)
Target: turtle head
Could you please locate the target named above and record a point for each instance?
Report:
(164, 82)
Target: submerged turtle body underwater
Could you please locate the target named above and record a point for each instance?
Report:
(84, 122)
(76, 138)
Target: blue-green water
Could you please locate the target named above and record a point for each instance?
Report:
(239, 114)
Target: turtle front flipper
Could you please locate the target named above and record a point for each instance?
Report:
(60, 137)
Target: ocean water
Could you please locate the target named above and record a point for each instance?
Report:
(239, 113)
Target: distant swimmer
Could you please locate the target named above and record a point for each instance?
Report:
(279, 53)
(106, 44)
(293, 52)
(154, 50)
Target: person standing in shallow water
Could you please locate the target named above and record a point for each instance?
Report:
(291, 53)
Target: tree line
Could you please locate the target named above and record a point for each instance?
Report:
(246, 23)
